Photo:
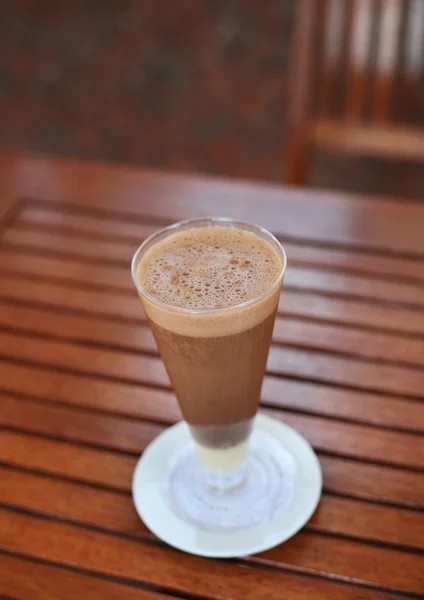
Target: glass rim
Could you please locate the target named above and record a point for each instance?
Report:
(211, 311)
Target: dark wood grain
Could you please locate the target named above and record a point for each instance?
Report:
(352, 477)
(90, 392)
(392, 447)
(388, 447)
(364, 520)
(373, 482)
(309, 397)
(138, 562)
(291, 362)
(334, 218)
(76, 223)
(350, 312)
(83, 392)
(81, 224)
(115, 513)
(46, 582)
(362, 407)
(57, 244)
(113, 510)
(61, 458)
(381, 567)
(302, 277)
(390, 347)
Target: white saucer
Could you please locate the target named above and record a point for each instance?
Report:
(149, 497)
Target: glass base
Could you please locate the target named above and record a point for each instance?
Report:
(254, 493)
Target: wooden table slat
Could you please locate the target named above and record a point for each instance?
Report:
(63, 459)
(326, 434)
(298, 277)
(371, 408)
(106, 432)
(80, 224)
(293, 304)
(289, 362)
(138, 562)
(335, 217)
(47, 582)
(340, 516)
(79, 547)
(352, 313)
(389, 347)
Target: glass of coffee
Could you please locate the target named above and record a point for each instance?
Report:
(210, 290)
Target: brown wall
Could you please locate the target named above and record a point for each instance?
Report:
(192, 84)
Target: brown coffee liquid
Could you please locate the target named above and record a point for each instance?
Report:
(215, 359)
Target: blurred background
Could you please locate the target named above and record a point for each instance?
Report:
(196, 85)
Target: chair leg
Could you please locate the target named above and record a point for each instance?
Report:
(301, 76)
(296, 160)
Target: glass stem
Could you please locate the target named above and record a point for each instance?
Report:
(225, 481)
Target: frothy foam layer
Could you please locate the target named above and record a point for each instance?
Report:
(205, 268)
(209, 268)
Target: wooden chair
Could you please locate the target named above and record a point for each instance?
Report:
(355, 79)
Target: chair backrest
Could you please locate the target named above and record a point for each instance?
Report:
(374, 49)
(353, 61)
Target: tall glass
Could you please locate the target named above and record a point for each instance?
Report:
(216, 362)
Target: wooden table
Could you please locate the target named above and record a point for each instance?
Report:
(83, 390)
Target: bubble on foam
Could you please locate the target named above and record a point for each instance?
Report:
(207, 268)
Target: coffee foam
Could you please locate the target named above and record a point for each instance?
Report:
(209, 269)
